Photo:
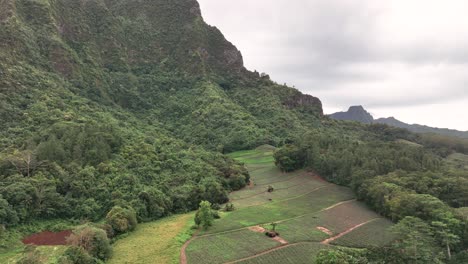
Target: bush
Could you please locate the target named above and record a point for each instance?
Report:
(93, 240)
(229, 207)
(204, 215)
(31, 256)
(215, 206)
(76, 255)
(122, 220)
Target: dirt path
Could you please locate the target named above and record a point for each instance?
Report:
(183, 256)
(328, 240)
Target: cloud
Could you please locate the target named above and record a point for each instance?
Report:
(392, 56)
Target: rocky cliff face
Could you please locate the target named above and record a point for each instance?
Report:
(304, 102)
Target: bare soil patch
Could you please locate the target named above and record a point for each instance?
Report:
(325, 230)
(279, 239)
(257, 229)
(47, 238)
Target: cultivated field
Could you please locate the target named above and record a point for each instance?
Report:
(311, 214)
(301, 253)
(376, 233)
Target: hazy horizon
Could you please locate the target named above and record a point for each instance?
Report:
(396, 58)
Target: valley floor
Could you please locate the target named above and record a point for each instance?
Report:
(311, 214)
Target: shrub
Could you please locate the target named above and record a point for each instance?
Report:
(229, 207)
(31, 256)
(204, 215)
(122, 220)
(93, 240)
(76, 255)
(215, 206)
(215, 214)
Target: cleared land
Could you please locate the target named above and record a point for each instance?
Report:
(307, 211)
(155, 242)
(302, 253)
(376, 233)
(228, 247)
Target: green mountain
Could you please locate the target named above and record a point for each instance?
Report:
(391, 121)
(109, 103)
(124, 110)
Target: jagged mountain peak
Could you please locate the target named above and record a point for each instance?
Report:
(354, 113)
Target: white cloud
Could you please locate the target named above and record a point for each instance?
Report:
(403, 58)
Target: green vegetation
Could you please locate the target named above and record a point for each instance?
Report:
(302, 253)
(376, 233)
(93, 241)
(228, 246)
(159, 240)
(323, 210)
(204, 216)
(122, 112)
(396, 180)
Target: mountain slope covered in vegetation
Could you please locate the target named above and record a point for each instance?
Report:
(109, 103)
(123, 110)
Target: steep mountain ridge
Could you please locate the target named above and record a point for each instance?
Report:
(128, 103)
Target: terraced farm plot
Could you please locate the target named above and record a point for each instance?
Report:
(228, 246)
(295, 206)
(302, 253)
(375, 233)
(346, 215)
(311, 214)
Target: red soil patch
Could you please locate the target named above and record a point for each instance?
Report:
(48, 238)
(325, 230)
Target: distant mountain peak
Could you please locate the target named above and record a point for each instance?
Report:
(358, 113)
(354, 113)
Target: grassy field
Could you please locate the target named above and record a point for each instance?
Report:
(307, 211)
(154, 242)
(48, 255)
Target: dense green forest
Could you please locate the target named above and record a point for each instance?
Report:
(410, 183)
(124, 110)
(127, 103)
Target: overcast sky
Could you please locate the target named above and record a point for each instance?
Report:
(402, 58)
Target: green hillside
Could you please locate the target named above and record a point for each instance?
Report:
(120, 112)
